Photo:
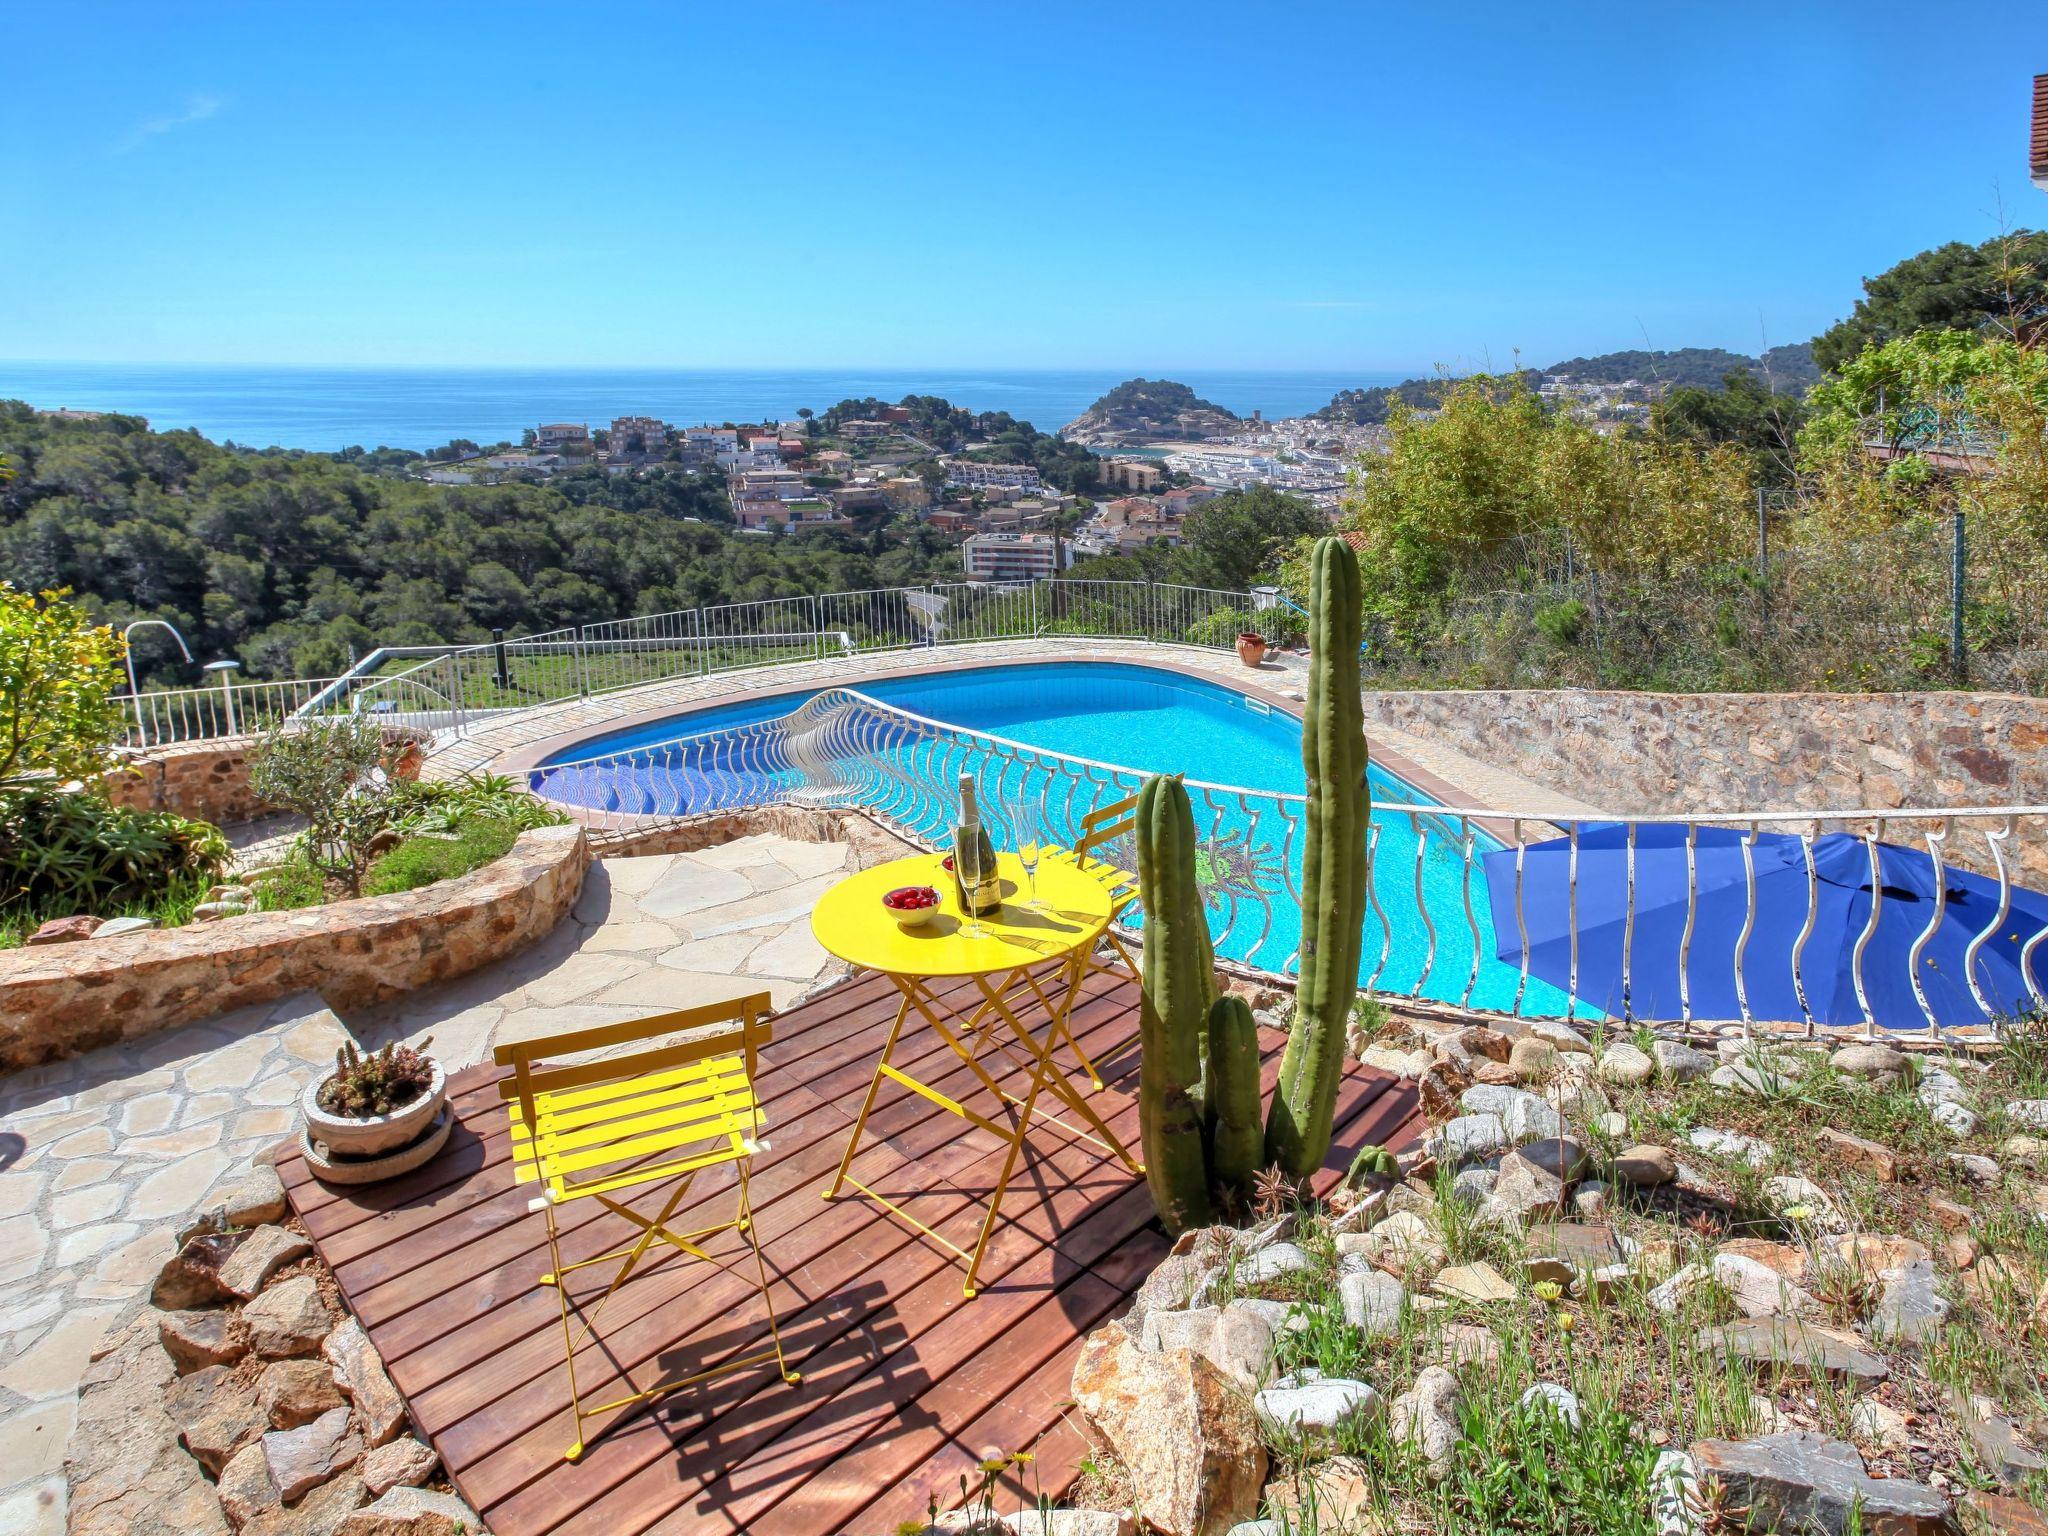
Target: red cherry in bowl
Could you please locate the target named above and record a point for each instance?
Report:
(911, 904)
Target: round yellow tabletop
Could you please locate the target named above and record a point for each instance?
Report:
(1071, 911)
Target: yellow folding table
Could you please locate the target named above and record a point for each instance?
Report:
(1028, 957)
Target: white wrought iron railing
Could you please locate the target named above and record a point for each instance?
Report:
(1775, 929)
(453, 687)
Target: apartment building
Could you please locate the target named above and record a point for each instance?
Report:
(563, 436)
(1138, 475)
(1018, 477)
(639, 434)
(1010, 556)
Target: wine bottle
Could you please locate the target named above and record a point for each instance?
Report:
(986, 896)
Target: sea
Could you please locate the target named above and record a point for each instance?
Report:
(328, 409)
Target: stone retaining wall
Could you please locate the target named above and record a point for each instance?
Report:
(67, 998)
(1672, 752)
(203, 780)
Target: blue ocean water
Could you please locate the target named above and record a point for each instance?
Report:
(419, 408)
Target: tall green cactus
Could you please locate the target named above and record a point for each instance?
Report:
(1236, 1137)
(1333, 872)
(1177, 989)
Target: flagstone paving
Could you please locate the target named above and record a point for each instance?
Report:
(102, 1157)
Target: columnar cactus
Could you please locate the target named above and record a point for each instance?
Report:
(1179, 984)
(1333, 875)
(1236, 1137)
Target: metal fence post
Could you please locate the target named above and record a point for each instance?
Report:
(1957, 575)
(582, 666)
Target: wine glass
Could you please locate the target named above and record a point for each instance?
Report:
(967, 864)
(1026, 807)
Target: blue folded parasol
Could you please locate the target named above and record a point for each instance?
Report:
(1836, 901)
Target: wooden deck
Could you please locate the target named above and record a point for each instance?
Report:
(905, 1382)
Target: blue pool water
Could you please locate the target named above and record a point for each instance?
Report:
(1142, 720)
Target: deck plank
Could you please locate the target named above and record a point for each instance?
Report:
(905, 1380)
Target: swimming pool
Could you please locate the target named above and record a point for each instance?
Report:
(1074, 735)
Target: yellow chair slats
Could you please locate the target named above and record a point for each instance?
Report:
(1100, 828)
(594, 1128)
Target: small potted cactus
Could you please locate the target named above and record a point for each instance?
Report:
(1251, 647)
(376, 1115)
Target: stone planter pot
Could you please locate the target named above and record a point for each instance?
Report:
(1251, 648)
(343, 1138)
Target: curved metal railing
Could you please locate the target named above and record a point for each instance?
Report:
(1446, 881)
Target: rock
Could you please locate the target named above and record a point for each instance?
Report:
(1484, 1044)
(1978, 1170)
(1765, 1417)
(1910, 1309)
(1732, 1145)
(1271, 1263)
(1549, 1397)
(191, 1276)
(295, 1392)
(1475, 1186)
(1425, 1417)
(1438, 1090)
(1314, 1409)
(1590, 1200)
(1524, 1191)
(1697, 1184)
(1372, 1303)
(64, 930)
(2023, 1149)
(257, 1200)
(196, 1339)
(2031, 1113)
(1766, 1074)
(1782, 1259)
(1581, 1248)
(1803, 1202)
(1957, 1119)
(1806, 1482)
(1563, 1036)
(1646, 1166)
(114, 927)
(1532, 1060)
(1189, 1440)
(1880, 1426)
(1467, 1344)
(1496, 1074)
(1177, 1278)
(1960, 1249)
(1937, 1085)
(216, 1415)
(1877, 1063)
(1479, 1283)
(1467, 1139)
(1558, 1156)
(1873, 1158)
(1280, 1316)
(1068, 1522)
(125, 1472)
(1626, 1066)
(1675, 1494)
(1996, 1440)
(1414, 1197)
(1613, 1125)
(288, 1319)
(412, 1512)
(1656, 1259)
(1951, 1216)
(1402, 1240)
(1873, 1253)
(213, 911)
(1996, 1514)
(1678, 1291)
(304, 1458)
(1681, 1063)
(1524, 1116)
(1237, 1340)
(403, 1463)
(1406, 1065)
(1757, 1289)
(246, 1487)
(268, 1249)
(1799, 1349)
(320, 1513)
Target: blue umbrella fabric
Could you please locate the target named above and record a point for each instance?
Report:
(1841, 896)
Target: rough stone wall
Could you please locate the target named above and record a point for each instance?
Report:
(871, 842)
(1672, 752)
(63, 999)
(205, 780)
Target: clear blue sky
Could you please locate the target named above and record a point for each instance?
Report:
(962, 184)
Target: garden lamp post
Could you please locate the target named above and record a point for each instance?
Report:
(135, 688)
(226, 671)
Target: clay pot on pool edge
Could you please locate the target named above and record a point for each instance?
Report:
(1251, 648)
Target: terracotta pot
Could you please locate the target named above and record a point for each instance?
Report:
(1251, 648)
(344, 1137)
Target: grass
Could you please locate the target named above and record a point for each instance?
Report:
(171, 909)
(424, 859)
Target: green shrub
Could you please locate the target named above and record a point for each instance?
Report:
(423, 859)
(58, 675)
(74, 852)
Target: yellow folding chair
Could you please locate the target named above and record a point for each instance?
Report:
(1099, 828)
(594, 1129)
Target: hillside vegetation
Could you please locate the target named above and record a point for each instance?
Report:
(1142, 411)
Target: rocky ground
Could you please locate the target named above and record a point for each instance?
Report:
(1623, 1286)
